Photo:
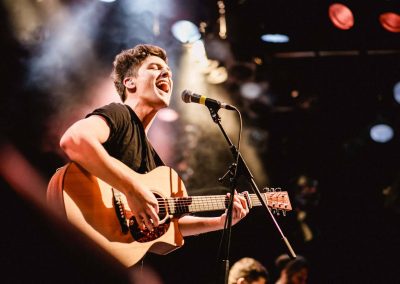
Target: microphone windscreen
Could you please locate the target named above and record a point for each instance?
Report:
(186, 94)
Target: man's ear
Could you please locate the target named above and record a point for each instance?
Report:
(241, 280)
(129, 83)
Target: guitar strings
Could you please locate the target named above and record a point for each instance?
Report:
(204, 203)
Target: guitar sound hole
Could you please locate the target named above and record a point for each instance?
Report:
(145, 235)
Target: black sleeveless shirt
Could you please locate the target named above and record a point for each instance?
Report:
(127, 141)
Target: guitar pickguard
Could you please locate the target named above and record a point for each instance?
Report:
(145, 235)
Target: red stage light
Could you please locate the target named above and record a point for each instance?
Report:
(390, 21)
(341, 16)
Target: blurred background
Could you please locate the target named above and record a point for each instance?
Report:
(318, 87)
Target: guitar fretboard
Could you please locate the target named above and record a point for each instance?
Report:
(193, 204)
(196, 204)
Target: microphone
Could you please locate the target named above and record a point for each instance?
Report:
(190, 97)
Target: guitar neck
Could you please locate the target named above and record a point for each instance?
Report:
(194, 204)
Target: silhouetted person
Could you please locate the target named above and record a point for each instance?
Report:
(292, 271)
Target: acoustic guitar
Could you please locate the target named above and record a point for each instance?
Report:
(102, 213)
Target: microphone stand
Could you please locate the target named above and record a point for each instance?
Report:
(234, 171)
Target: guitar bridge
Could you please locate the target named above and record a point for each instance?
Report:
(120, 212)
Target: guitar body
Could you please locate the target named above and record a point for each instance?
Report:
(87, 202)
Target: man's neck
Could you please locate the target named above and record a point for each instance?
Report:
(145, 113)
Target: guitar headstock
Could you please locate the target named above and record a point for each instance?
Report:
(278, 200)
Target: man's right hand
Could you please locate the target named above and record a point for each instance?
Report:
(144, 207)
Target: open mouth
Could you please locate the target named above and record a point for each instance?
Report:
(163, 85)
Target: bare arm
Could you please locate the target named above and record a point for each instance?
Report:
(82, 143)
(191, 225)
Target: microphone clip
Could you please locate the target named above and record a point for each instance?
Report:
(214, 113)
(229, 177)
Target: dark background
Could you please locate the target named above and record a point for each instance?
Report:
(357, 236)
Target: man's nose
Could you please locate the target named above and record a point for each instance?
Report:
(165, 73)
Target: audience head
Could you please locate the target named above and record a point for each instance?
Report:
(248, 271)
(292, 271)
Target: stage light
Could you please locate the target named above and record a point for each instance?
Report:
(275, 38)
(217, 75)
(381, 133)
(341, 16)
(222, 19)
(396, 92)
(390, 22)
(250, 90)
(209, 66)
(185, 31)
(294, 94)
(107, 1)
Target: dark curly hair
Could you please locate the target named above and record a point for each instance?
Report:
(127, 63)
(291, 265)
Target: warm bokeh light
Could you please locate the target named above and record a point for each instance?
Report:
(26, 180)
(390, 22)
(217, 75)
(167, 115)
(341, 16)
